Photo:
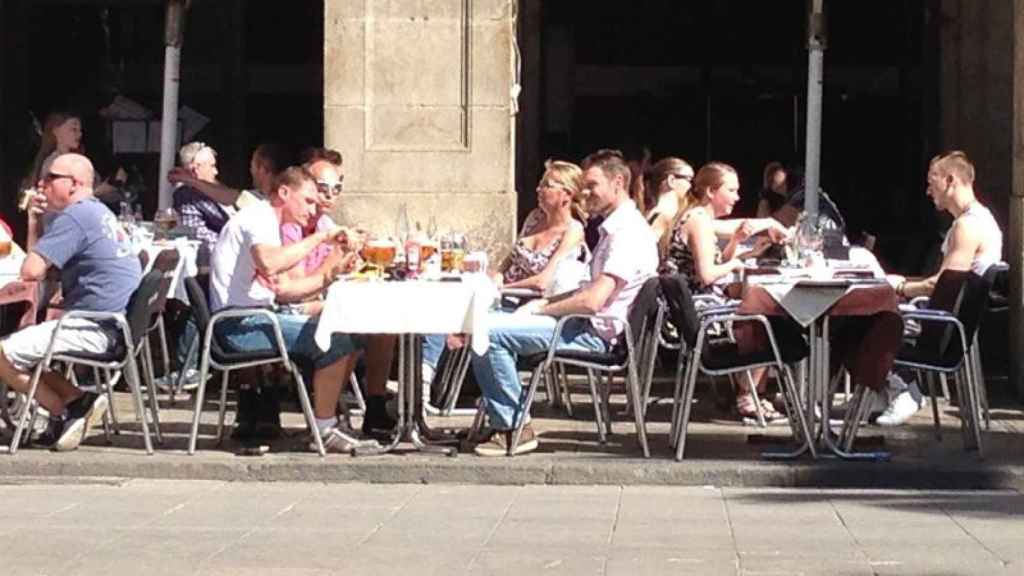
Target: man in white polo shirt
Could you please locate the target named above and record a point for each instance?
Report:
(248, 267)
(626, 256)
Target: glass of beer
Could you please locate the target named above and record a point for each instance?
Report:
(165, 221)
(379, 253)
(25, 198)
(427, 249)
(5, 247)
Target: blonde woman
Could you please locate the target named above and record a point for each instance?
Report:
(668, 183)
(694, 250)
(553, 232)
(62, 133)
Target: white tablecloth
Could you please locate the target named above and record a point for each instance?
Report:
(188, 251)
(413, 307)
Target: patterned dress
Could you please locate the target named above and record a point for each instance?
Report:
(680, 259)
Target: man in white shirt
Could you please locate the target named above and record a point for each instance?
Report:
(626, 256)
(247, 268)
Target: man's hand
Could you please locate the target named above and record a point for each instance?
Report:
(532, 307)
(37, 205)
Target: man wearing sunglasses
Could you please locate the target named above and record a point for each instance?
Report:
(98, 273)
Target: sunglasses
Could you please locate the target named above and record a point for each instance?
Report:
(687, 177)
(51, 176)
(328, 189)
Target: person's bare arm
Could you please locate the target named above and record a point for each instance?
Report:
(571, 239)
(214, 190)
(34, 267)
(726, 228)
(701, 238)
(590, 299)
(963, 245)
(763, 209)
(271, 260)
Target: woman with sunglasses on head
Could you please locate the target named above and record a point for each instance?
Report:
(666, 185)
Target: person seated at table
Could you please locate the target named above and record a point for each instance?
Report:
(247, 269)
(203, 214)
(623, 259)
(326, 168)
(669, 181)
(774, 190)
(536, 259)
(974, 242)
(98, 272)
(693, 248)
(694, 252)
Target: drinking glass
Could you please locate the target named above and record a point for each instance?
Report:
(379, 253)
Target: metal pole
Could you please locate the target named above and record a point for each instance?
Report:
(815, 65)
(175, 27)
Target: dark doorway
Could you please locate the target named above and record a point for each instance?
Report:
(726, 80)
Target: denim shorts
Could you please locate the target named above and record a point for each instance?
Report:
(255, 333)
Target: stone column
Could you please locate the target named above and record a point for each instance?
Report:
(417, 99)
(1015, 245)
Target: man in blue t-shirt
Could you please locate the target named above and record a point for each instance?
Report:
(98, 272)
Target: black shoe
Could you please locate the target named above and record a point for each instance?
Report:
(63, 434)
(377, 423)
(89, 407)
(245, 418)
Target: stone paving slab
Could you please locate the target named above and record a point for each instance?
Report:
(226, 528)
(720, 452)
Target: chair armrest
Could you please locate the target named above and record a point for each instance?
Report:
(246, 312)
(562, 320)
(707, 321)
(940, 317)
(919, 301)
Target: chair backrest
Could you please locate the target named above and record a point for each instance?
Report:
(681, 309)
(643, 308)
(166, 263)
(999, 295)
(201, 313)
(140, 303)
(965, 295)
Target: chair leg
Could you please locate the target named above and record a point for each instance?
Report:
(606, 401)
(635, 398)
(686, 399)
(478, 421)
(179, 383)
(596, 401)
(979, 383)
(357, 392)
(935, 404)
(677, 391)
(970, 390)
(200, 394)
(562, 383)
(307, 408)
(524, 410)
(25, 409)
(102, 387)
(458, 379)
(805, 428)
(223, 406)
(131, 376)
(147, 367)
(945, 388)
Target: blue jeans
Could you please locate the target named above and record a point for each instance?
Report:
(255, 333)
(513, 335)
(185, 338)
(433, 346)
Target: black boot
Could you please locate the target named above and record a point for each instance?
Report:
(268, 413)
(245, 415)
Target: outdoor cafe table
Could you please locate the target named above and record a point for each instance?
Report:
(813, 303)
(409, 309)
(13, 290)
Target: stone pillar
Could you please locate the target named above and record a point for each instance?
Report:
(417, 99)
(1015, 246)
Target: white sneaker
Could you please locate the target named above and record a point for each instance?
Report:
(191, 382)
(902, 407)
(427, 374)
(340, 441)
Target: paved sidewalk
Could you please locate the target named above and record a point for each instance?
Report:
(720, 452)
(215, 528)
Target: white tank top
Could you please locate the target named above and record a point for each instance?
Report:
(990, 250)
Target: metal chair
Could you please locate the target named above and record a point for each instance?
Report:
(948, 324)
(214, 355)
(120, 360)
(722, 358)
(623, 358)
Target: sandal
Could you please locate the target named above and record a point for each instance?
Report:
(747, 408)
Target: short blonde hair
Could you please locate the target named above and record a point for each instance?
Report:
(955, 163)
(570, 177)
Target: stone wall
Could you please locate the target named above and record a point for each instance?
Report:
(417, 99)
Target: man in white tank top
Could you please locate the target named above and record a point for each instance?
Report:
(974, 242)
